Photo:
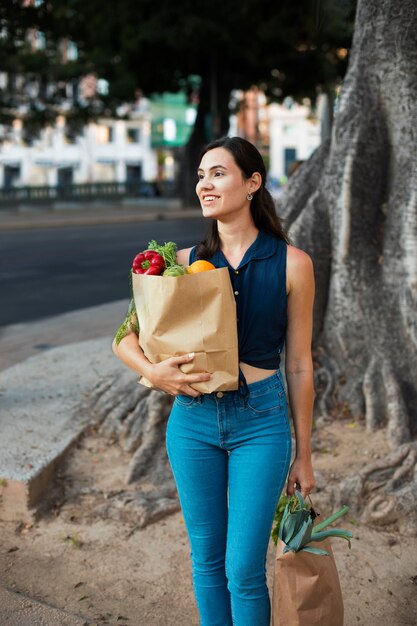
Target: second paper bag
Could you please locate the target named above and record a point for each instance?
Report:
(191, 313)
(306, 589)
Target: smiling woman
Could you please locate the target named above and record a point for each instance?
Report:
(230, 451)
(221, 187)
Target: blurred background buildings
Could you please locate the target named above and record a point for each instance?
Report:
(146, 145)
(142, 146)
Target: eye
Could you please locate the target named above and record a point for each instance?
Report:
(218, 173)
(200, 176)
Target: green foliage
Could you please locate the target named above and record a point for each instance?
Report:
(129, 324)
(279, 511)
(168, 251)
(288, 48)
(294, 525)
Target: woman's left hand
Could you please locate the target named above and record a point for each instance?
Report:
(301, 477)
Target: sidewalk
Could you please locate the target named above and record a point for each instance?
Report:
(78, 214)
(40, 390)
(21, 341)
(44, 372)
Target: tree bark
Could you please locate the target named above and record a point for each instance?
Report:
(212, 122)
(358, 221)
(360, 227)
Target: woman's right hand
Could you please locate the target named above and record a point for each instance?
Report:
(168, 377)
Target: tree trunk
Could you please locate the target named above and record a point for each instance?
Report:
(359, 225)
(212, 122)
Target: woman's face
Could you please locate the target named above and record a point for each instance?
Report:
(221, 187)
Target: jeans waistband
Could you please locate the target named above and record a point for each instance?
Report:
(245, 389)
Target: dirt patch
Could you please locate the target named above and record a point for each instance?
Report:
(115, 574)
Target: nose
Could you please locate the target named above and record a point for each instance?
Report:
(204, 183)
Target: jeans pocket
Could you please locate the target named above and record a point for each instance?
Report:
(267, 402)
(184, 400)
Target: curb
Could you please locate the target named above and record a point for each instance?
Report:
(42, 419)
(62, 221)
(19, 609)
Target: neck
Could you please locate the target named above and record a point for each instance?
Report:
(236, 238)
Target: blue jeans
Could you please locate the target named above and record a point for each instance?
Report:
(230, 457)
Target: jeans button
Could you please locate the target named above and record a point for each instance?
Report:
(220, 394)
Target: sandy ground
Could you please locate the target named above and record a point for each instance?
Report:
(112, 573)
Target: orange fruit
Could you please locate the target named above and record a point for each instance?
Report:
(200, 266)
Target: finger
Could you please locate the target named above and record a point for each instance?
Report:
(290, 489)
(293, 486)
(184, 358)
(189, 391)
(197, 378)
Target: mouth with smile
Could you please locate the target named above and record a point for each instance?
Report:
(209, 198)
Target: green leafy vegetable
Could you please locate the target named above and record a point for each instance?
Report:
(175, 270)
(294, 525)
(279, 511)
(129, 324)
(168, 251)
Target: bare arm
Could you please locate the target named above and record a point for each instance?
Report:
(299, 364)
(183, 256)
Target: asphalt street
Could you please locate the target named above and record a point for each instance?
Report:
(45, 272)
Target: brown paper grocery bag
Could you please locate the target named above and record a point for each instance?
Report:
(191, 313)
(306, 590)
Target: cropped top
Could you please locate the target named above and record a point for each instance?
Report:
(259, 285)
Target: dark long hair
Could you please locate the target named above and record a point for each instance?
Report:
(262, 207)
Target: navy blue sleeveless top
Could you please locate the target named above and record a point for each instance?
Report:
(259, 285)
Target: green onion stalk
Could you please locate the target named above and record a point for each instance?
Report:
(294, 525)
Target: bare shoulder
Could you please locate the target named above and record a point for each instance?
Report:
(183, 256)
(299, 268)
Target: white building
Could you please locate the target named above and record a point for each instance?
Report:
(114, 150)
(107, 151)
(293, 135)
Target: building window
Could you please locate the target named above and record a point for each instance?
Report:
(65, 176)
(290, 155)
(105, 134)
(11, 176)
(133, 135)
(133, 173)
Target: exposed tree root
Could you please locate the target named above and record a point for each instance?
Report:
(135, 416)
(398, 430)
(139, 508)
(325, 376)
(384, 492)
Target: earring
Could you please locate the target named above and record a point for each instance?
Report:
(249, 196)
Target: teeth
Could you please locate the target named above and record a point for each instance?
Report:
(209, 197)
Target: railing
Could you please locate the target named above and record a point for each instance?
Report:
(87, 191)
